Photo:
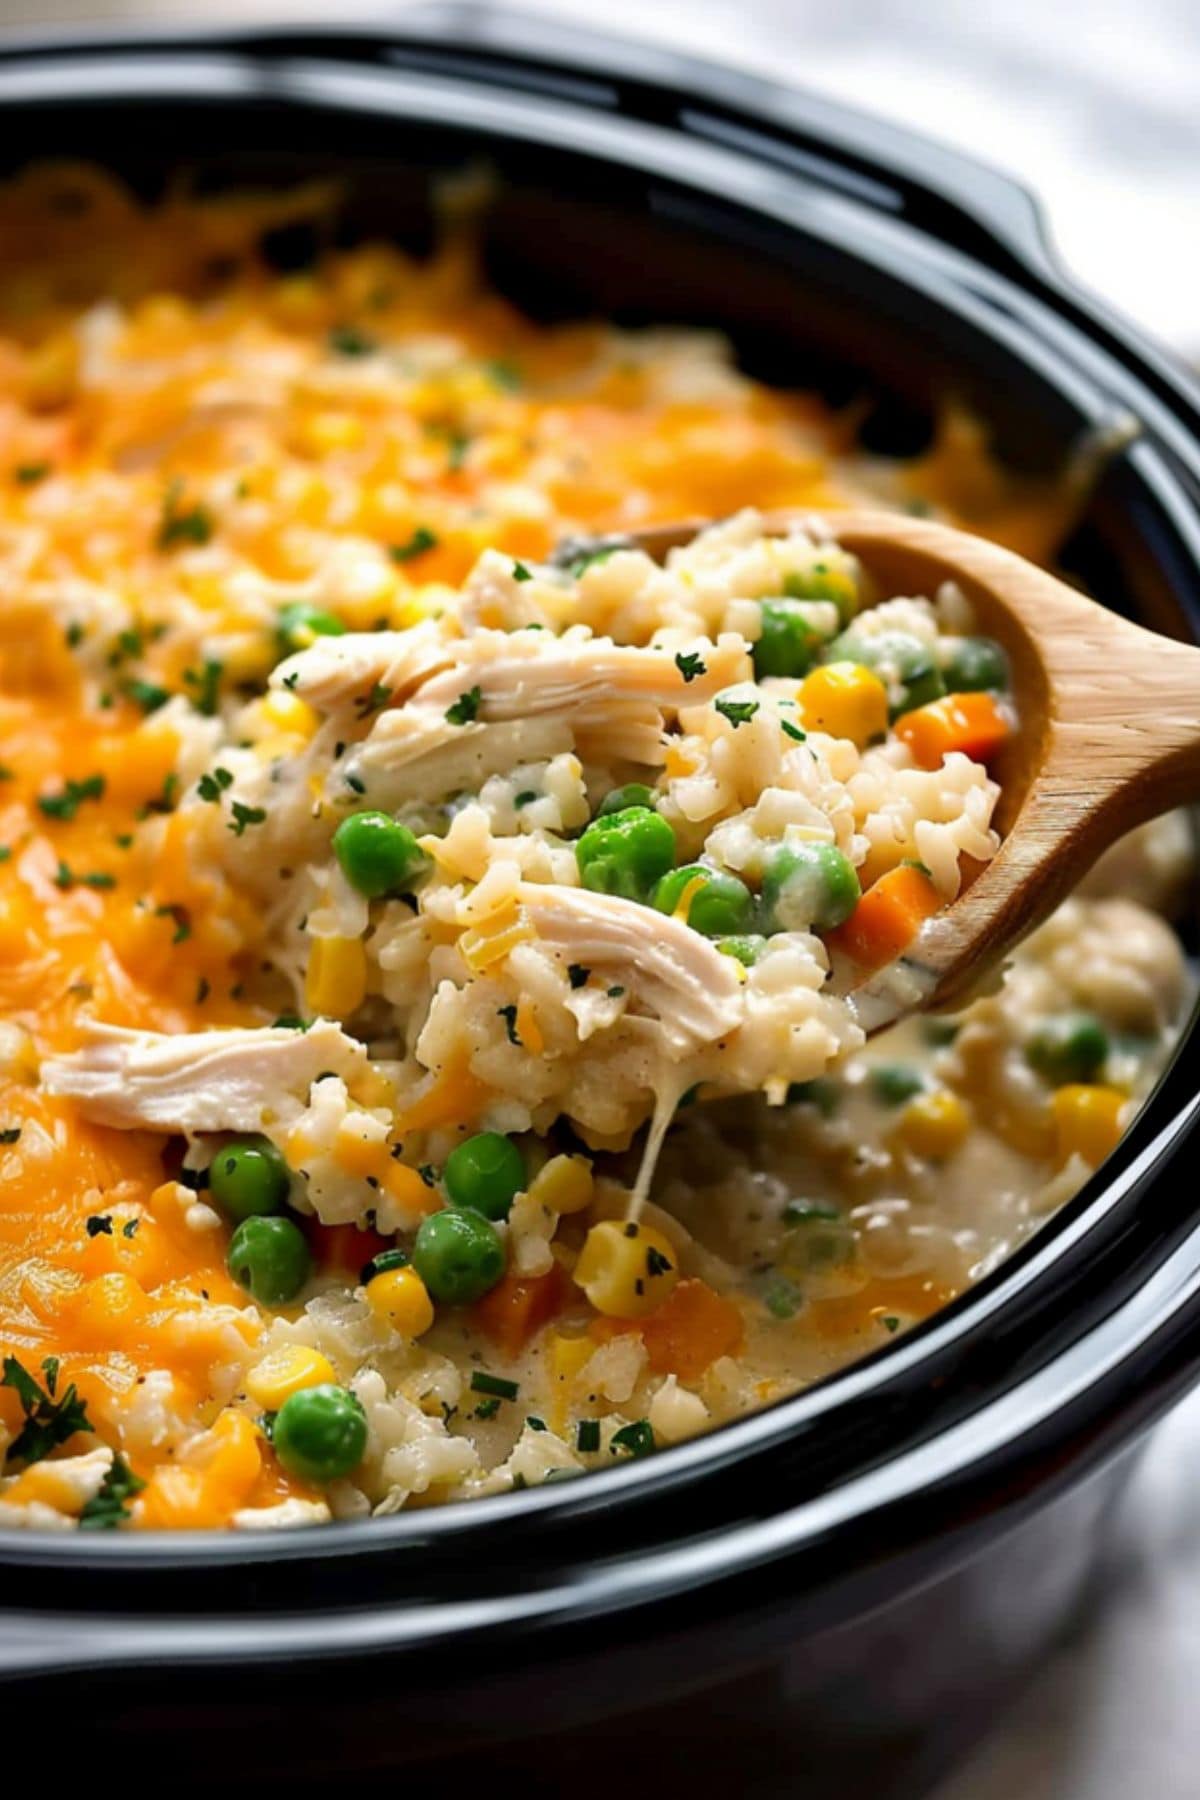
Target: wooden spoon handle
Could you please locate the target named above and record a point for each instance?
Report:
(1110, 733)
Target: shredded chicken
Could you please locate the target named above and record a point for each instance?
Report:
(676, 974)
(235, 1080)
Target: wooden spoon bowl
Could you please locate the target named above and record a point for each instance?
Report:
(1109, 736)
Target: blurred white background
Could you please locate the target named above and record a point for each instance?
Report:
(1095, 104)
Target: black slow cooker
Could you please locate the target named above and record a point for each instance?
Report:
(835, 1594)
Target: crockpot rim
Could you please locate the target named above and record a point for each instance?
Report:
(741, 1438)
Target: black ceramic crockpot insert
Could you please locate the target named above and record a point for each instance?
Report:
(837, 254)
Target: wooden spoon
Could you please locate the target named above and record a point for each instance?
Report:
(1109, 736)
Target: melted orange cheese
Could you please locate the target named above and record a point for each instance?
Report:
(102, 913)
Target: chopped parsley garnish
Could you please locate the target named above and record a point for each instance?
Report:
(534, 1423)
(10, 1134)
(690, 664)
(521, 573)
(614, 993)
(577, 974)
(212, 785)
(498, 1385)
(657, 1263)
(5, 852)
(487, 1409)
(164, 800)
(527, 798)
(890, 1322)
(349, 340)
(190, 525)
(457, 444)
(290, 1022)
(465, 708)
(204, 684)
(374, 702)
(381, 1263)
(245, 815)
(793, 731)
(109, 1506)
(66, 804)
(428, 1174)
(587, 1436)
(99, 1225)
(637, 1439)
(129, 1228)
(203, 990)
(421, 540)
(738, 712)
(591, 558)
(808, 1212)
(49, 1421)
(147, 694)
(509, 1015)
(183, 926)
(65, 877)
(74, 635)
(29, 474)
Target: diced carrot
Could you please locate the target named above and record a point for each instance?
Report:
(344, 1247)
(972, 723)
(518, 1306)
(690, 1330)
(887, 918)
(452, 1097)
(686, 1334)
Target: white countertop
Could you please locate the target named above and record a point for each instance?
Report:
(1096, 105)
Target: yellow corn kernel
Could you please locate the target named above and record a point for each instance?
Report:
(625, 1269)
(933, 1125)
(285, 1371)
(288, 712)
(568, 1355)
(1087, 1121)
(336, 980)
(398, 1297)
(564, 1184)
(845, 700)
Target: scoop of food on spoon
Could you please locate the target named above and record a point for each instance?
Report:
(1109, 737)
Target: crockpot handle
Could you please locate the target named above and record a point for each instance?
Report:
(944, 193)
(940, 190)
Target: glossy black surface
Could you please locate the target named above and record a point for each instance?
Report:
(845, 1582)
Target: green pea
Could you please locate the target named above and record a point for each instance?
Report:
(722, 906)
(745, 948)
(903, 663)
(377, 854)
(894, 1083)
(269, 1257)
(808, 887)
(788, 644)
(822, 1093)
(458, 1256)
(1072, 1047)
(975, 665)
(634, 793)
(320, 1433)
(301, 622)
(249, 1177)
(625, 853)
(486, 1173)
